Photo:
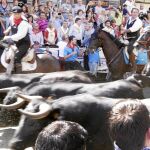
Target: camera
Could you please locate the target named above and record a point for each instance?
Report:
(142, 16)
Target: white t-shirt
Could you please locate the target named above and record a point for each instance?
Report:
(61, 45)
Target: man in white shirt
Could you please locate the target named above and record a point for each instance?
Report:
(76, 30)
(132, 29)
(61, 45)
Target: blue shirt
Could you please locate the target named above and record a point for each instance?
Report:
(94, 57)
(68, 51)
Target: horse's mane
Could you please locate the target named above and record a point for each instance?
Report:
(115, 40)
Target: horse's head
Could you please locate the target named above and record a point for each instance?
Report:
(95, 41)
(144, 39)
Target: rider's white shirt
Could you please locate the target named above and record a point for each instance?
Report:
(136, 26)
(23, 29)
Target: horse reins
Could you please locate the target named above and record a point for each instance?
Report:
(117, 54)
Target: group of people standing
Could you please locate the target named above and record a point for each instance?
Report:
(70, 27)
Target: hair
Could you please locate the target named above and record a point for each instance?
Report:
(62, 135)
(79, 11)
(134, 8)
(71, 38)
(129, 122)
(77, 19)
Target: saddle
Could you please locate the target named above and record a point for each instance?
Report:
(7, 60)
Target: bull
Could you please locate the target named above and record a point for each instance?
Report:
(89, 111)
(129, 88)
(21, 80)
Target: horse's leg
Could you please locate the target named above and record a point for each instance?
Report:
(109, 76)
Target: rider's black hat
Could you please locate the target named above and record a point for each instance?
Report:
(16, 9)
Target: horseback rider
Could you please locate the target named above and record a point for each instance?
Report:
(132, 29)
(19, 34)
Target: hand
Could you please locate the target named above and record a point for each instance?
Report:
(6, 38)
(74, 53)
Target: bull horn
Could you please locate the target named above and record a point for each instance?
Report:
(44, 111)
(28, 98)
(5, 90)
(15, 105)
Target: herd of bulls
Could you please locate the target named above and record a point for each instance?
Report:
(69, 95)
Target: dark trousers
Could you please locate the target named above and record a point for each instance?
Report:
(73, 65)
(79, 43)
(22, 50)
(130, 46)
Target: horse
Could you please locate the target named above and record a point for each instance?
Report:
(113, 52)
(144, 40)
(44, 64)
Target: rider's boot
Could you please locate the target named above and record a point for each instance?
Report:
(133, 63)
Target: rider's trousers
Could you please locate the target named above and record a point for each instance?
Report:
(22, 50)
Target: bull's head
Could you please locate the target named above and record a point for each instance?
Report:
(33, 120)
(11, 101)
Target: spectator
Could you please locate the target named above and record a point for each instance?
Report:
(130, 5)
(77, 31)
(99, 8)
(42, 22)
(78, 6)
(108, 28)
(142, 9)
(129, 125)
(66, 8)
(50, 34)
(62, 135)
(63, 30)
(70, 20)
(88, 31)
(81, 15)
(118, 16)
(71, 52)
(94, 61)
(61, 45)
(36, 37)
(4, 10)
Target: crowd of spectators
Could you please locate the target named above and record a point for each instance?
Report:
(52, 24)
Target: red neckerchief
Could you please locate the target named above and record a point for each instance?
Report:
(71, 46)
(17, 21)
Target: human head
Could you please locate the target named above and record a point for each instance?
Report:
(72, 39)
(42, 15)
(107, 23)
(62, 135)
(78, 21)
(129, 122)
(65, 24)
(35, 26)
(17, 11)
(79, 2)
(134, 12)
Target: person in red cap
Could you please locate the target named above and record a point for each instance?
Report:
(19, 28)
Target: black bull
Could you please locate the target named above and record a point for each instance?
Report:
(129, 88)
(133, 87)
(17, 81)
(91, 112)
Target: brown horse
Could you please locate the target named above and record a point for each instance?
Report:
(112, 50)
(45, 64)
(145, 41)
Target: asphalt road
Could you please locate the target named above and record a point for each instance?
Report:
(5, 136)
